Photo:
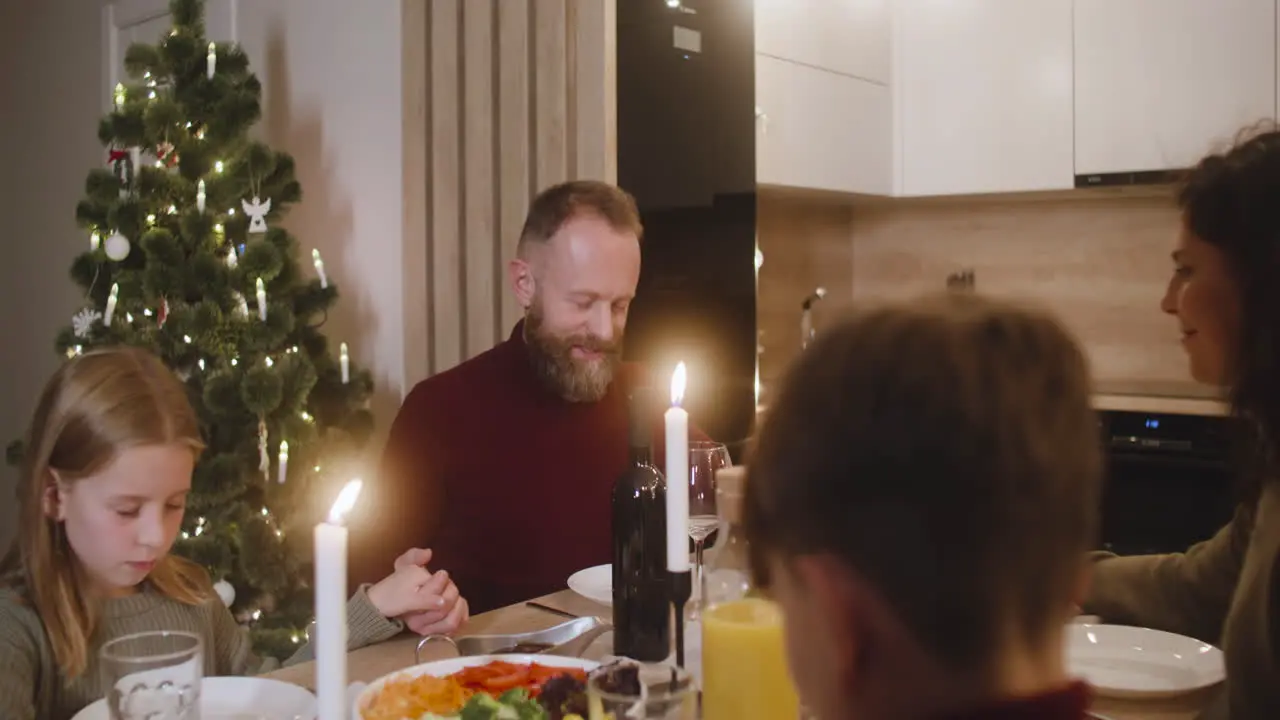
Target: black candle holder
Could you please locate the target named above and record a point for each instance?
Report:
(681, 591)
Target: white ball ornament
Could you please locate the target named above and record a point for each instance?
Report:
(116, 247)
(226, 592)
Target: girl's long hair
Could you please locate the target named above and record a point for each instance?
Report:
(93, 408)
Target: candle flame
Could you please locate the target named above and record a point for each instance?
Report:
(346, 500)
(678, 380)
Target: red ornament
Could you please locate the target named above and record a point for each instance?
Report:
(163, 315)
(165, 153)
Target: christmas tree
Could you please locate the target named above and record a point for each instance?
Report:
(184, 256)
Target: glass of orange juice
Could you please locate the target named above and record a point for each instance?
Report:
(744, 663)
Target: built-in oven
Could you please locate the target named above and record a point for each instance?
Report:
(1171, 480)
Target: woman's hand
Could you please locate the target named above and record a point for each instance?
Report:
(428, 603)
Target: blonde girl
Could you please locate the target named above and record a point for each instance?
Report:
(107, 469)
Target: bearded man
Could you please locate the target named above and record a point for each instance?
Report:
(504, 465)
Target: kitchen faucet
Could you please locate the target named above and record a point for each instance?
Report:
(806, 316)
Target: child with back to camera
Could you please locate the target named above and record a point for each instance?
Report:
(109, 459)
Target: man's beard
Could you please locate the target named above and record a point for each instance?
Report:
(553, 362)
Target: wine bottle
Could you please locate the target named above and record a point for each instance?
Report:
(641, 589)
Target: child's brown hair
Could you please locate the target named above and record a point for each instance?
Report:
(94, 406)
(946, 450)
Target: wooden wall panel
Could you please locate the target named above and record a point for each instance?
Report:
(502, 98)
(1101, 262)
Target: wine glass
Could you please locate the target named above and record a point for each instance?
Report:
(706, 458)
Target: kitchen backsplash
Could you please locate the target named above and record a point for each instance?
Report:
(1101, 261)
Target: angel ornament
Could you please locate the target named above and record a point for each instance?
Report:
(257, 211)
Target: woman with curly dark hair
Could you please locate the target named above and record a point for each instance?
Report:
(1225, 294)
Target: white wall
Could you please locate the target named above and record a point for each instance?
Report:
(331, 72)
(331, 79)
(49, 100)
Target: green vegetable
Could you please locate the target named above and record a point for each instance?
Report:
(511, 705)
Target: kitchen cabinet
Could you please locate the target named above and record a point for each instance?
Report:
(1160, 82)
(983, 96)
(821, 130)
(850, 37)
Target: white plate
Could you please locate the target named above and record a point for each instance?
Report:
(594, 583)
(1131, 662)
(442, 668)
(238, 698)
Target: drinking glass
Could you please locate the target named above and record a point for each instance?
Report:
(705, 460)
(669, 693)
(153, 676)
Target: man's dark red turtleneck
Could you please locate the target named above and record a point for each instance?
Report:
(505, 481)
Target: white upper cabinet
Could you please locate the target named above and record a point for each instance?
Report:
(850, 37)
(983, 96)
(821, 130)
(1158, 83)
(823, 105)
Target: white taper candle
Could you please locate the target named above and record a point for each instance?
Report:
(331, 607)
(677, 444)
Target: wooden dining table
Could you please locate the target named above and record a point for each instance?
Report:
(370, 663)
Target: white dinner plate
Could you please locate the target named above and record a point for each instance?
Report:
(594, 583)
(442, 668)
(238, 698)
(1130, 662)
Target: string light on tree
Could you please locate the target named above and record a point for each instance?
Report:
(262, 300)
(283, 461)
(111, 304)
(315, 259)
(200, 196)
(211, 61)
(220, 234)
(119, 95)
(217, 167)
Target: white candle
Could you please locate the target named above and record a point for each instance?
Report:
(284, 462)
(231, 257)
(95, 241)
(262, 301)
(200, 196)
(315, 258)
(243, 305)
(345, 360)
(677, 442)
(331, 607)
(135, 159)
(211, 61)
(111, 304)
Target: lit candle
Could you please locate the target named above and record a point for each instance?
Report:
(677, 441)
(231, 257)
(262, 301)
(331, 607)
(119, 95)
(344, 359)
(200, 196)
(111, 304)
(284, 462)
(315, 258)
(242, 305)
(211, 61)
(95, 240)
